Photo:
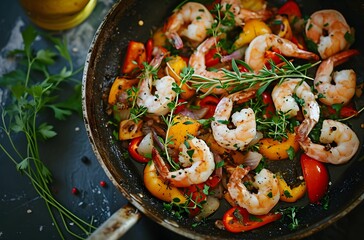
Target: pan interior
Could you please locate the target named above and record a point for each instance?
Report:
(121, 25)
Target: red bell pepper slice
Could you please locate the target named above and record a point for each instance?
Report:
(211, 58)
(348, 111)
(213, 181)
(133, 150)
(290, 8)
(269, 104)
(182, 106)
(345, 111)
(134, 57)
(197, 196)
(316, 177)
(209, 102)
(149, 50)
(238, 219)
(272, 55)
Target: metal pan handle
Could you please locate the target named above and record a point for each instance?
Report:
(118, 224)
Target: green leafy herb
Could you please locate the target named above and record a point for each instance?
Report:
(291, 153)
(291, 212)
(350, 38)
(254, 218)
(234, 81)
(325, 202)
(287, 194)
(185, 75)
(34, 88)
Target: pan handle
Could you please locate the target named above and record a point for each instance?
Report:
(118, 224)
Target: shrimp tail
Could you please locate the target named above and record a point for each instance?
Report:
(159, 163)
(306, 55)
(159, 55)
(342, 57)
(304, 129)
(176, 40)
(243, 96)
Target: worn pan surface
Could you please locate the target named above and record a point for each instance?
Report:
(103, 65)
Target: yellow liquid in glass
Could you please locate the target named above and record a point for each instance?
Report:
(58, 14)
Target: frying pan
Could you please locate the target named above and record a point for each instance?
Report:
(103, 65)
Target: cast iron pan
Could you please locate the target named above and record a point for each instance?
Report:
(103, 65)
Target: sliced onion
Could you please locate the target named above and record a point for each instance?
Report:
(252, 159)
(211, 205)
(146, 145)
(194, 113)
(217, 159)
(237, 54)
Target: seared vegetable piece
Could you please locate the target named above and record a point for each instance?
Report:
(128, 129)
(252, 28)
(289, 194)
(120, 86)
(278, 150)
(183, 126)
(134, 57)
(174, 69)
(157, 186)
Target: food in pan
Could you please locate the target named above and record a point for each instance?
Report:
(227, 97)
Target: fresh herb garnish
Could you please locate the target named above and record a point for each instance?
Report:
(234, 81)
(291, 213)
(34, 88)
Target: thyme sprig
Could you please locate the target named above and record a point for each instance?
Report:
(234, 81)
(168, 120)
(224, 20)
(33, 89)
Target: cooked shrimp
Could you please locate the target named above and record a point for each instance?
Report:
(255, 53)
(345, 143)
(244, 121)
(338, 87)
(241, 15)
(196, 17)
(328, 29)
(259, 203)
(157, 102)
(197, 62)
(196, 168)
(283, 96)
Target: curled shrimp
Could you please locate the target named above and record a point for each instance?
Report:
(346, 143)
(255, 53)
(241, 15)
(196, 17)
(197, 62)
(338, 87)
(196, 159)
(328, 29)
(261, 202)
(283, 96)
(244, 122)
(157, 102)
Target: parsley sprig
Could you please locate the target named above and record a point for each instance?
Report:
(33, 89)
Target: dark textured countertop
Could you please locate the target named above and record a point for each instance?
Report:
(23, 214)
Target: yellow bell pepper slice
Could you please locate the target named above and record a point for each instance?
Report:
(251, 30)
(174, 69)
(277, 150)
(289, 194)
(157, 186)
(182, 127)
(119, 86)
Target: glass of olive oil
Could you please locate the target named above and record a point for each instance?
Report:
(58, 14)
